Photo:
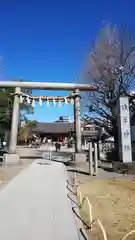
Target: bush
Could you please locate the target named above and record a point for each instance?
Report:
(112, 155)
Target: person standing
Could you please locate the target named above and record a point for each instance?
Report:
(57, 146)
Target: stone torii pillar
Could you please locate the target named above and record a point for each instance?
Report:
(15, 121)
(78, 155)
(77, 122)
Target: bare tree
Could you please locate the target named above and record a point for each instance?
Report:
(111, 66)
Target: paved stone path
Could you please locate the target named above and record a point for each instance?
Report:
(27, 152)
(34, 206)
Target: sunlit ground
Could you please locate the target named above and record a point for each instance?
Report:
(113, 202)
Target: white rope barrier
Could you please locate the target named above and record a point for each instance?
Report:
(92, 222)
(81, 202)
(123, 170)
(79, 194)
(90, 209)
(74, 179)
(128, 234)
(102, 229)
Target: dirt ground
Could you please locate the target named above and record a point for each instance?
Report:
(10, 171)
(113, 202)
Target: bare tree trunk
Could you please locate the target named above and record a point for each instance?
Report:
(116, 141)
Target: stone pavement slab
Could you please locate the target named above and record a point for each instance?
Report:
(34, 205)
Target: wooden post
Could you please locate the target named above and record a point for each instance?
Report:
(95, 159)
(50, 156)
(90, 160)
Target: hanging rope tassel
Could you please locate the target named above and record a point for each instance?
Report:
(33, 103)
(72, 101)
(54, 102)
(28, 100)
(47, 103)
(60, 104)
(66, 102)
(21, 99)
(40, 101)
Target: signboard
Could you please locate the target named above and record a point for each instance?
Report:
(125, 147)
(64, 118)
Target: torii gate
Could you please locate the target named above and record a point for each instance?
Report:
(18, 85)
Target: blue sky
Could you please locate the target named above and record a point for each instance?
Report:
(49, 40)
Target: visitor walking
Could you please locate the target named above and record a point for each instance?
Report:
(57, 146)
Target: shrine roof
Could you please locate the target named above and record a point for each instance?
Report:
(54, 127)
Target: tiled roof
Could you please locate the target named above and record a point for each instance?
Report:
(56, 127)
